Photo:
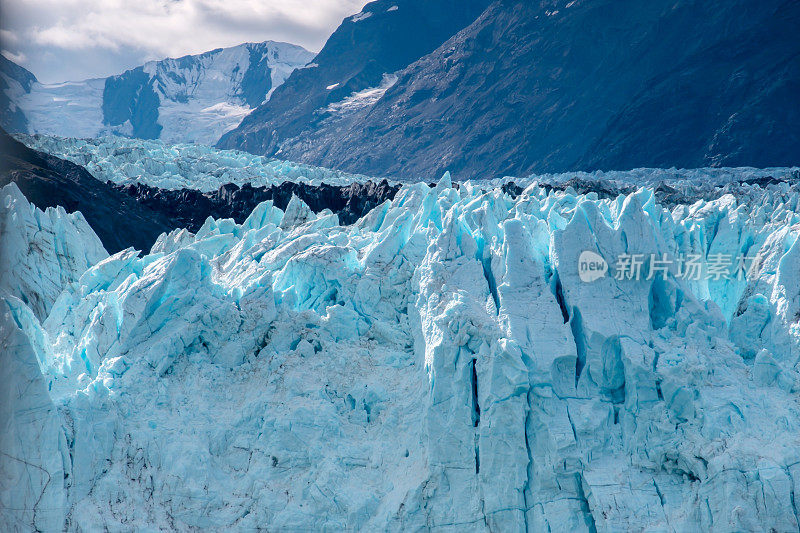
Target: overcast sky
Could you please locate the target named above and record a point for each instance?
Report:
(60, 40)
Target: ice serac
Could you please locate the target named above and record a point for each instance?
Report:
(34, 455)
(41, 252)
(439, 364)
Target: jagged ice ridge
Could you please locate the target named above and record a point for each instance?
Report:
(179, 166)
(176, 166)
(438, 364)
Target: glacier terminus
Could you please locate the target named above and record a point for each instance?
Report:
(437, 365)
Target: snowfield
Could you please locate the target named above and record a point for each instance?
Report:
(437, 365)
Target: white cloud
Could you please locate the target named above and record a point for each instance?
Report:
(16, 58)
(8, 36)
(56, 35)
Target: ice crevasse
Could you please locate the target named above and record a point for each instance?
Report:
(437, 365)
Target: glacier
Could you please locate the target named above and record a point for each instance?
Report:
(437, 365)
(161, 164)
(179, 166)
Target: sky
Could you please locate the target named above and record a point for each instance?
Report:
(70, 40)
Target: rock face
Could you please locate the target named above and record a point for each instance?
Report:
(119, 220)
(563, 85)
(440, 364)
(189, 99)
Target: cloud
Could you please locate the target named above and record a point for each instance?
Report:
(7, 36)
(67, 31)
(16, 58)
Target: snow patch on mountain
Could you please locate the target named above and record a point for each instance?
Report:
(438, 364)
(358, 17)
(361, 99)
(69, 108)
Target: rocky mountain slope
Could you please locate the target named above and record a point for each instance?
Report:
(353, 69)
(566, 85)
(15, 81)
(189, 99)
(440, 364)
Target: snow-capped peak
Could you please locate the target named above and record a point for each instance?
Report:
(194, 98)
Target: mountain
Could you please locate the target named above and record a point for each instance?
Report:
(445, 364)
(565, 85)
(353, 67)
(15, 81)
(190, 99)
